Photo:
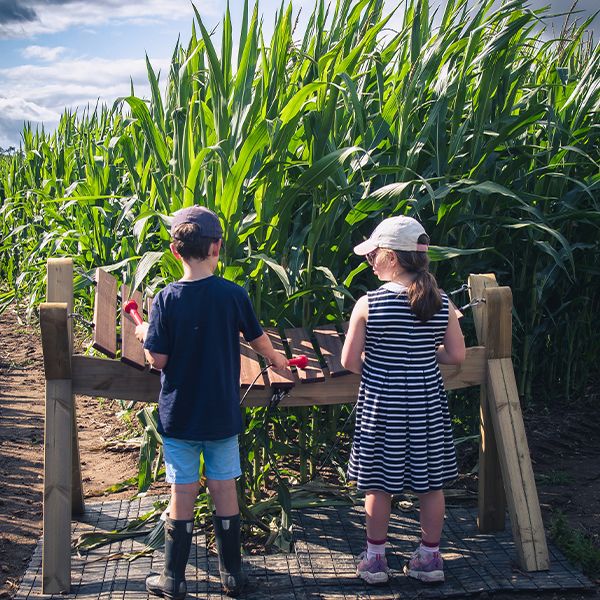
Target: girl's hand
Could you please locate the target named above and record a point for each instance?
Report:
(141, 331)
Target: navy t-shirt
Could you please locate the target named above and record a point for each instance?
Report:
(198, 324)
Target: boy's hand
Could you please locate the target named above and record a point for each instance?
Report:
(279, 362)
(141, 331)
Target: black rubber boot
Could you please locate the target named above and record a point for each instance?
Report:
(171, 583)
(227, 537)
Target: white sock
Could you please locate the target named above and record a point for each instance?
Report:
(430, 549)
(375, 549)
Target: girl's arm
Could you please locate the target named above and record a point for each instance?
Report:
(354, 346)
(452, 351)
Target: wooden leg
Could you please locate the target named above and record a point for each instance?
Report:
(56, 549)
(491, 496)
(58, 448)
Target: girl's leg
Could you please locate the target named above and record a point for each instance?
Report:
(426, 563)
(432, 510)
(378, 506)
(373, 566)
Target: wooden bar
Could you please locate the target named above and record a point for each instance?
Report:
(279, 380)
(113, 379)
(132, 351)
(330, 344)
(105, 314)
(60, 289)
(491, 496)
(473, 371)
(517, 473)
(250, 369)
(106, 378)
(299, 343)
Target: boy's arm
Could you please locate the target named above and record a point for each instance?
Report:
(263, 346)
(354, 345)
(156, 360)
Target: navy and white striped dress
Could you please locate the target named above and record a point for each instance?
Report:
(403, 434)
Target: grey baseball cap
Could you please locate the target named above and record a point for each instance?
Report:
(396, 233)
(207, 221)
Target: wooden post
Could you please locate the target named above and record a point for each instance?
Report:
(491, 496)
(513, 451)
(58, 449)
(60, 289)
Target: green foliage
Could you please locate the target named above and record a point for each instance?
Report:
(479, 128)
(578, 547)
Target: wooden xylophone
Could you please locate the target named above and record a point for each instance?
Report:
(322, 347)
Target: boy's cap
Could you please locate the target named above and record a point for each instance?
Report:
(396, 233)
(206, 220)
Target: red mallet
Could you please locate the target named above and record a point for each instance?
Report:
(131, 308)
(300, 361)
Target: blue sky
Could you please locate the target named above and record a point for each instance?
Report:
(57, 54)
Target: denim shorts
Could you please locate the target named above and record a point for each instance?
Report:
(182, 459)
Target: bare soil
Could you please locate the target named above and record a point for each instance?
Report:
(564, 444)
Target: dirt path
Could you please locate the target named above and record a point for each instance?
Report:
(22, 447)
(564, 444)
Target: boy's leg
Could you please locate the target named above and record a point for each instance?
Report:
(373, 566)
(426, 562)
(183, 498)
(182, 460)
(224, 496)
(222, 462)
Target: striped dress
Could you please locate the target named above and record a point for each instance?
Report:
(403, 434)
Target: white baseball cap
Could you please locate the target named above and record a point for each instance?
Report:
(396, 233)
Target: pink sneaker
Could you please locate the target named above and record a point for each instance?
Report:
(425, 566)
(373, 570)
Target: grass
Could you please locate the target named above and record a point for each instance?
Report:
(578, 546)
(554, 478)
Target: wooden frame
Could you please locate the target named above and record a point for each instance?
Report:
(505, 473)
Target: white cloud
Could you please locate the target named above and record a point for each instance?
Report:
(41, 93)
(21, 109)
(45, 53)
(52, 17)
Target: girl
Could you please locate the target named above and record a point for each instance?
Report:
(403, 437)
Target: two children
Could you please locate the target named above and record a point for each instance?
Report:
(403, 437)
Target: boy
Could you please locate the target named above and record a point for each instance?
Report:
(193, 337)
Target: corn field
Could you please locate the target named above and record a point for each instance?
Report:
(480, 127)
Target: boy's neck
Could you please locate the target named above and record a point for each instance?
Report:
(193, 270)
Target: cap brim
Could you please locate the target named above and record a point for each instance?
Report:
(365, 247)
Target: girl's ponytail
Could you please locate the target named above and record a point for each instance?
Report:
(424, 295)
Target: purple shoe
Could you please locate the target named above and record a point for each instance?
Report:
(425, 566)
(373, 570)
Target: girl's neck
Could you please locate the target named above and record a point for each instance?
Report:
(403, 277)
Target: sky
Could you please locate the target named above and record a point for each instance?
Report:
(57, 54)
